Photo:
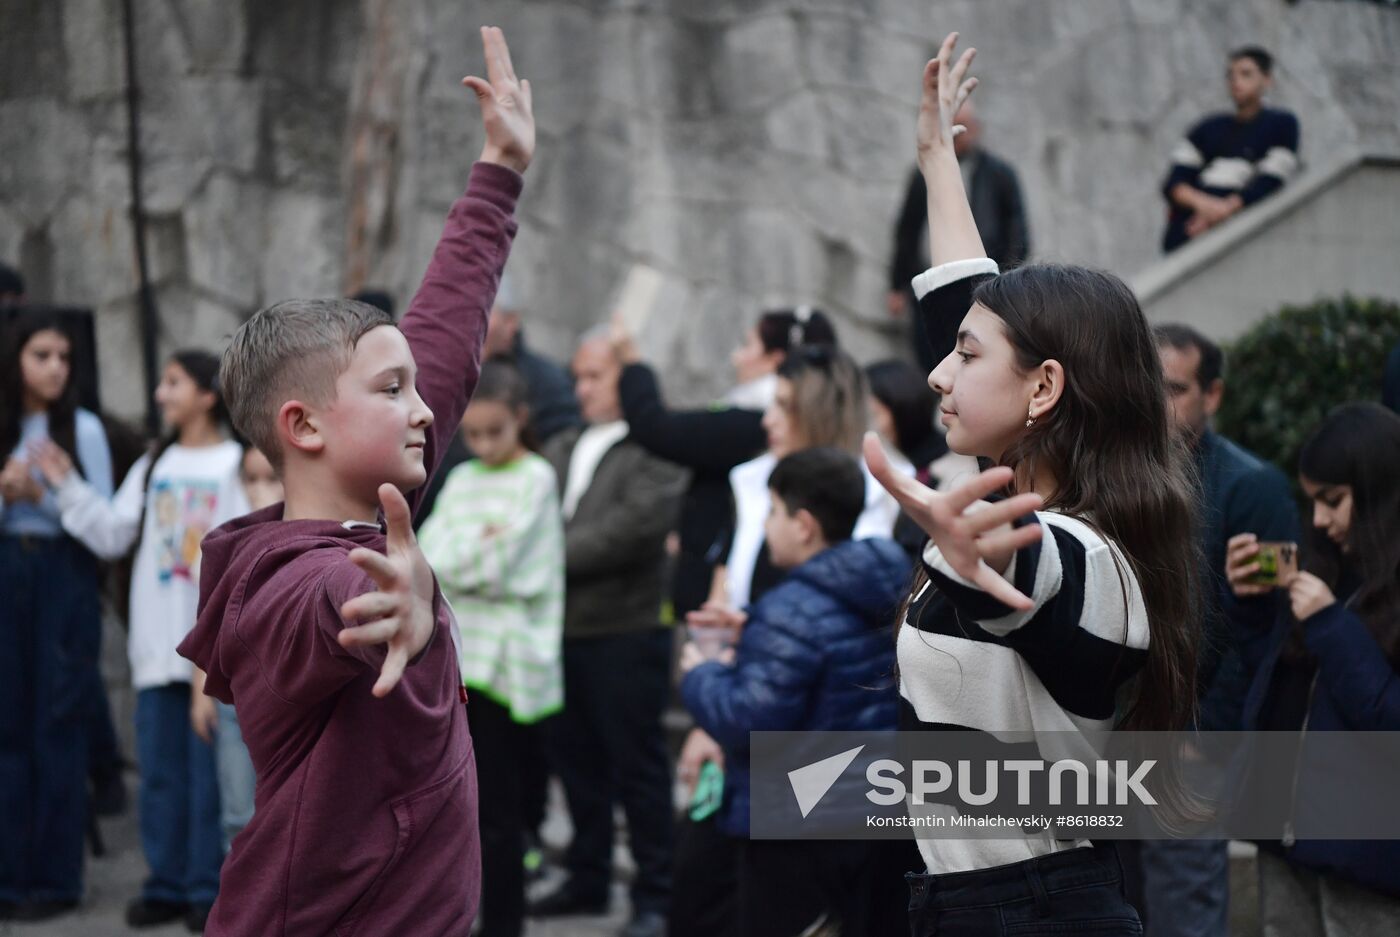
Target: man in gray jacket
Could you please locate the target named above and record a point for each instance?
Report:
(619, 503)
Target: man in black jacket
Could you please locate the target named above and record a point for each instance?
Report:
(995, 195)
(551, 392)
(1185, 884)
(619, 503)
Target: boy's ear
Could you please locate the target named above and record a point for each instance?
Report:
(1049, 387)
(811, 527)
(298, 428)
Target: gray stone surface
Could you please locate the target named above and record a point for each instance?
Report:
(115, 879)
(754, 151)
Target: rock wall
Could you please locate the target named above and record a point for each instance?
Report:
(753, 151)
(1317, 240)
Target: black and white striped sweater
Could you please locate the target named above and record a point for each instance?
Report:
(968, 661)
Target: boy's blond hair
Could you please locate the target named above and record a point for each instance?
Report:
(292, 349)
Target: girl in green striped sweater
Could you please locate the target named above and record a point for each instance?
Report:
(496, 542)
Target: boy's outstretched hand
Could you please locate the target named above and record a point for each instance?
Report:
(400, 614)
(506, 106)
(975, 538)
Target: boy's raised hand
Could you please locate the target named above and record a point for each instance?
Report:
(506, 106)
(400, 614)
(946, 86)
(973, 536)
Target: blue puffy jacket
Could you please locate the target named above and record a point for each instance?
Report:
(817, 653)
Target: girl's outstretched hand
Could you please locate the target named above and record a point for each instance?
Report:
(976, 538)
(507, 109)
(946, 87)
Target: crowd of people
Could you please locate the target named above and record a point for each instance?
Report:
(815, 551)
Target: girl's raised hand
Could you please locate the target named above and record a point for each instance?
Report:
(973, 536)
(507, 110)
(623, 342)
(946, 87)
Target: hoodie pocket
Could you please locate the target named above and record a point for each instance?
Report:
(413, 814)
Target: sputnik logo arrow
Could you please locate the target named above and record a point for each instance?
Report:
(810, 783)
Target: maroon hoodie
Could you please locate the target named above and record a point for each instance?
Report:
(366, 815)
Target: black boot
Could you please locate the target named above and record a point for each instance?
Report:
(147, 912)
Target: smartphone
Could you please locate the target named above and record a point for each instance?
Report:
(1278, 564)
(709, 792)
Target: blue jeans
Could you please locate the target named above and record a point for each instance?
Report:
(180, 830)
(50, 630)
(236, 778)
(1077, 891)
(1186, 887)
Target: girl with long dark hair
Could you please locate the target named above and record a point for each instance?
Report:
(1075, 595)
(1330, 661)
(50, 625)
(187, 485)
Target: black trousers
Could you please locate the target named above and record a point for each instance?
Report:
(504, 748)
(609, 746)
(704, 902)
(1077, 891)
(856, 886)
(732, 887)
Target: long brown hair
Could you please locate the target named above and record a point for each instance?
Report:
(1117, 462)
(829, 394)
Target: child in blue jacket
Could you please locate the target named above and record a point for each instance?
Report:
(816, 653)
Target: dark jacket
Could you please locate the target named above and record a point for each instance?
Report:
(1265, 147)
(995, 197)
(552, 403)
(615, 544)
(1240, 493)
(817, 653)
(997, 207)
(366, 814)
(553, 406)
(1357, 690)
(709, 443)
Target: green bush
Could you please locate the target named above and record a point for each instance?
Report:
(1284, 374)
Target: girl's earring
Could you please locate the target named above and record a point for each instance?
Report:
(1030, 418)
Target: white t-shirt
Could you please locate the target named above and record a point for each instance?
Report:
(191, 491)
(593, 443)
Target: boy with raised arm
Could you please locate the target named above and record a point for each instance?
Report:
(326, 629)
